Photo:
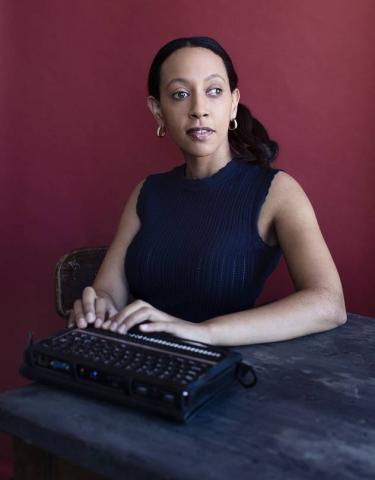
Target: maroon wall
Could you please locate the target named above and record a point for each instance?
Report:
(76, 136)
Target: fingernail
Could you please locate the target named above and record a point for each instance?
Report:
(144, 327)
(113, 327)
(98, 323)
(90, 317)
(82, 323)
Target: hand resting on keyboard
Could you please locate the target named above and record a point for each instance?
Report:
(93, 308)
(136, 328)
(97, 310)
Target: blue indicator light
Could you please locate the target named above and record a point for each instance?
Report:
(94, 374)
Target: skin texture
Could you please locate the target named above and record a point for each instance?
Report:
(286, 218)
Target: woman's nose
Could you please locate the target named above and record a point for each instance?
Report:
(197, 114)
(198, 108)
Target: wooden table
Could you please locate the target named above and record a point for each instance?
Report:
(311, 416)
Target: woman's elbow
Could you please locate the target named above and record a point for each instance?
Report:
(337, 310)
(331, 308)
(340, 317)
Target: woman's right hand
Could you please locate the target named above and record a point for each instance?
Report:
(92, 308)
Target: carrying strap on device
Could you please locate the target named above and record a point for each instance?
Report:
(246, 375)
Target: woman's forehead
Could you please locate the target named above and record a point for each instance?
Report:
(192, 63)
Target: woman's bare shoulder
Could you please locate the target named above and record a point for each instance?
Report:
(286, 193)
(129, 220)
(286, 200)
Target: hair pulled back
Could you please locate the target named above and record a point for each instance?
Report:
(250, 139)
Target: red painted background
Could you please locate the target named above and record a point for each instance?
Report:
(76, 135)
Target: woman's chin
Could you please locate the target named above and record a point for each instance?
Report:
(198, 150)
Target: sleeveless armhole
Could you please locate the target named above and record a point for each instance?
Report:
(140, 207)
(265, 182)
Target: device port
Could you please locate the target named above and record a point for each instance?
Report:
(43, 360)
(144, 390)
(154, 392)
(140, 389)
(169, 398)
(60, 366)
(114, 382)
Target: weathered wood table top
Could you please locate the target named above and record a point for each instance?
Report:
(310, 416)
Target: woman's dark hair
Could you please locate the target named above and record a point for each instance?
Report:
(250, 139)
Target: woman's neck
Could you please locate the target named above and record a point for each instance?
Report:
(205, 166)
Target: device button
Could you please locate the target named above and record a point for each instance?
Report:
(141, 389)
(168, 397)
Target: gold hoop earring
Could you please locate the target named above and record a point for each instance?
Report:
(235, 124)
(160, 131)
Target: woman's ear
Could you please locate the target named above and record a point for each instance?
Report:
(155, 109)
(235, 102)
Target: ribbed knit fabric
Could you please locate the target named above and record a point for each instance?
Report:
(198, 253)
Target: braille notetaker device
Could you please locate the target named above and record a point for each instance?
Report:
(156, 372)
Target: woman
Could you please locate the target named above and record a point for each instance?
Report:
(194, 245)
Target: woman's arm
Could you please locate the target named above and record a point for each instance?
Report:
(110, 279)
(318, 303)
(109, 292)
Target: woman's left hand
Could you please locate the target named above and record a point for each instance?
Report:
(139, 311)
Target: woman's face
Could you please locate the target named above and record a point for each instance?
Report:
(195, 92)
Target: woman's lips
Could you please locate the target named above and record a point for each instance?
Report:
(200, 134)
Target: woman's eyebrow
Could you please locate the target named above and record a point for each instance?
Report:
(184, 80)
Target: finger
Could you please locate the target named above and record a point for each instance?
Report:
(71, 321)
(105, 314)
(100, 307)
(79, 315)
(161, 327)
(177, 329)
(119, 317)
(88, 299)
(106, 324)
(109, 317)
(112, 311)
(142, 314)
(130, 309)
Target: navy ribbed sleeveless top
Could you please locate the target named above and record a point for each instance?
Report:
(198, 253)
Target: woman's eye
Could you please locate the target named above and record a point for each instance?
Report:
(218, 91)
(179, 95)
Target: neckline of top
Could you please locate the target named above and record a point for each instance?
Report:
(223, 173)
